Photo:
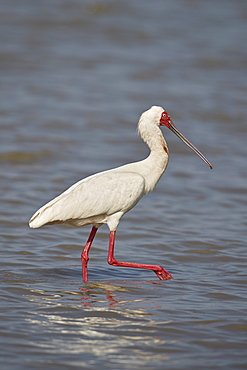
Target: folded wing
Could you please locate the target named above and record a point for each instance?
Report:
(92, 198)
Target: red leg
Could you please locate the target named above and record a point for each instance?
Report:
(84, 253)
(159, 270)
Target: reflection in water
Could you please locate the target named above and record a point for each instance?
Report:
(94, 293)
(105, 328)
(109, 291)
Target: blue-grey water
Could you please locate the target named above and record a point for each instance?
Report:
(75, 76)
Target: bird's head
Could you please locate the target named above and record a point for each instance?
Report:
(160, 117)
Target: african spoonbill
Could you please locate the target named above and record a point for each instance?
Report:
(105, 197)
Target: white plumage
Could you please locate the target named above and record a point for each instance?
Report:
(106, 196)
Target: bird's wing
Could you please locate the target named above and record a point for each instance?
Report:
(102, 194)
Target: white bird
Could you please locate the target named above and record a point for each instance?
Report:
(105, 197)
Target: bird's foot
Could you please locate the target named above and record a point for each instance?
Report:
(163, 274)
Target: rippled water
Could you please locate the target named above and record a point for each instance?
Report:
(75, 76)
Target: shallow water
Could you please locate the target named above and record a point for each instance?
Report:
(75, 76)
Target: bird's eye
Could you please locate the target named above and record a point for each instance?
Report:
(164, 115)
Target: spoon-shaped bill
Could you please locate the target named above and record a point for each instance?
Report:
(174, 129)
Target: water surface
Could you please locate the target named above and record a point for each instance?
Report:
(75, 76)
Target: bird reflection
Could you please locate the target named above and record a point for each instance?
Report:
(91, 291)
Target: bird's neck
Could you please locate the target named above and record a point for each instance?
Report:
(153, 167)
(155, 164)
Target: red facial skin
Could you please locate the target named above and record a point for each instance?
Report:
(165, 120)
